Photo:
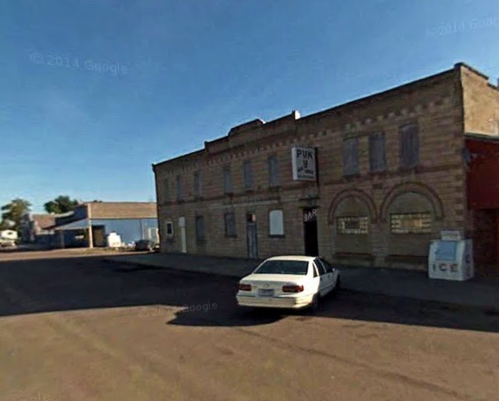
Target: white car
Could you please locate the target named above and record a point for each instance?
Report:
(288, 282)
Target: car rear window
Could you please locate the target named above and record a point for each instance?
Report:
(283, 267)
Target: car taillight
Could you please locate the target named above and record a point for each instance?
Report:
(244, 287)
(292, 288)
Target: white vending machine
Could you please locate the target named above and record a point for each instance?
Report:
(114, 240)
(451, 258)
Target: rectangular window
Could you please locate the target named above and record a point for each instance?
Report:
(200, 228)
(409, 146)
(165, 190)
(169, 229)
(411, 223)
(228, 189)
(351, 157)
(273, 166)
(180, 188)
(248, 175)
(377, 152)
(230, 224)
(198, 184)
(276, 222)
(352, 225)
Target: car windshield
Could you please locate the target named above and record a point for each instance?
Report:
(283, 267)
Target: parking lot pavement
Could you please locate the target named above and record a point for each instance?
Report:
(481, 292)
(80, 329)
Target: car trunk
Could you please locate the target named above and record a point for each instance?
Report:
(268, 285)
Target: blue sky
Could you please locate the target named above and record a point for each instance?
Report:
(92, 92)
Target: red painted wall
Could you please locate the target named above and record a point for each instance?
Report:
(483, 174)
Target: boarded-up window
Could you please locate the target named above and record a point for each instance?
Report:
(165, 190)
(198, 184)
(228, 189)
(352, 225)
(351, 156)
(409, 145)
(273, 171)
(230, 224)
(377, 152)
(200, 228)
(276, 222)
(180, 188)
(248, 175)
(411, 223)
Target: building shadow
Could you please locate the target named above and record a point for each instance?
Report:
(197, 299)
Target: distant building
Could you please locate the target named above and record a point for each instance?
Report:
(90, 223)
(37, 228)
(370, 182)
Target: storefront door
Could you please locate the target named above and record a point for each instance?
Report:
(310, 232)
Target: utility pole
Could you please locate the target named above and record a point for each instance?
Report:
(90, 233)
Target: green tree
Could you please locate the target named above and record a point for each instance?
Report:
(61, 204)
(13, 212)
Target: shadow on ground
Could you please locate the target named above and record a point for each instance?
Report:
(349, 305)
(89, 282)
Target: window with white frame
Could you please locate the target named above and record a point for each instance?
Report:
(352, 225)
(169, 229)
(276, 223)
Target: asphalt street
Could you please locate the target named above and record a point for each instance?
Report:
(82, 329)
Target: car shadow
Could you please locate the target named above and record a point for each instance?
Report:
(355, 307)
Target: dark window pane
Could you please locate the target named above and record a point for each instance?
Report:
(230, 224)
(273, 171)
(228, 181)
(197, 184)
(166, 190)
(377, 152)
(320, 267)
(199, 228)
(409, 145)
(180, 188)
(248, 175)
(351, 157)
(283, 267)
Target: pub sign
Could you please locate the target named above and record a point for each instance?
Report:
(304, 162)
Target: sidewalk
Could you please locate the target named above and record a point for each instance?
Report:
(481, 292)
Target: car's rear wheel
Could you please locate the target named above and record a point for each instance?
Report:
(337, 286)
(314, 306)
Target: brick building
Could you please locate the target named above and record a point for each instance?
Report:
(369, 182)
